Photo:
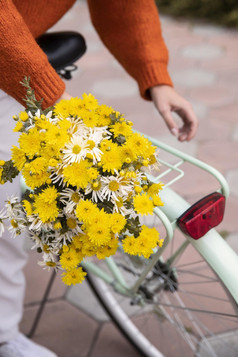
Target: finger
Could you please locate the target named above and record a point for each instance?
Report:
(190, 126)
(169, 121)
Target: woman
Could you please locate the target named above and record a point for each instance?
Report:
(131, 31)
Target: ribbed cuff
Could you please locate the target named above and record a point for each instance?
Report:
(153, 74)
(48, 86)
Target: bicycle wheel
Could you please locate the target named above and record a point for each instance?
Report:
(181, 310)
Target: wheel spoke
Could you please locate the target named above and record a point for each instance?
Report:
(182, 303)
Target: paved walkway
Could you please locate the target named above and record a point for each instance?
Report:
(204, 68)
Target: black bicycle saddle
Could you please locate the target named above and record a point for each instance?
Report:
(62, 49)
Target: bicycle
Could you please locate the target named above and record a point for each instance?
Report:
(138, 294)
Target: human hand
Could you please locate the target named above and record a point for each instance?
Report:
(167, 100)
(65, 95)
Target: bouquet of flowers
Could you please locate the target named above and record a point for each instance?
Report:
(85, 173)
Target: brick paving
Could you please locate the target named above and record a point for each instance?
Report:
(204, 67)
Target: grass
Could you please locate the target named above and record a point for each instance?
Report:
(221, 12)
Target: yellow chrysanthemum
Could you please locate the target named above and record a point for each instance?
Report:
(141, 145)
(99, 217)
(37, 166)
(28, 207)
(56, 136)
(42, 123)
(77, 246)
(74, 104)
(104, 113)
(62, 108)
(155, 188)
(157, 200)
(99, 234)
(23, 116)
(76, 174)
(18, 157)
(130, 245)
(108, 249)
(107, 145)
(151, 234)
(74, 276)
(34, 180)
(111, 160)
(49, 194)
(118, 222)
(30, 143)
(89, 101)
(90, 119)
(127, 152)
(47, 211)
(69, 259)
(88, 248)
(143, 204)
(93, 173)
(78, 240)
(121, 128)
(86, 210)
(64, 124)
(18, 126)
(147, 241)
(49, 151)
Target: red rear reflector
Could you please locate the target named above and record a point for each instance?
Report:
(203, 215)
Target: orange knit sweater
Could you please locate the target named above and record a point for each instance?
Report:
(130, 30)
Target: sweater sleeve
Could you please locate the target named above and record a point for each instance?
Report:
(131, 30)
(20, 56)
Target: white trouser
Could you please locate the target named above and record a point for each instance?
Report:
(12, 255)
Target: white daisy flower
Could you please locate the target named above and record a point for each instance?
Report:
(75, 150)
(49, 262)
(73, 224)
(36, 225)
(94, 139)
(115, 186)
(119, 206)
(95, 188)
(49, 114)
(17, 226)
(63, 239)
(57, 177)
(13, 206)
(37, 113)
(37, 241)
(78, 127)
(70, 198)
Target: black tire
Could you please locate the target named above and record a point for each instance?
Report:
(226, 312)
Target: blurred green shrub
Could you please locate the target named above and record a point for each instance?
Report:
(222, 12)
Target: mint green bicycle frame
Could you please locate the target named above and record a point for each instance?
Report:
(212, 247)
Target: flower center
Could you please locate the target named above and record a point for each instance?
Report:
(71, 223)
(90, 144)
(113, 185)
(14, 223)
(119, 203)
(46, 248)
(75, 197)
(76, 149)
(51, 264)
(96, 186)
